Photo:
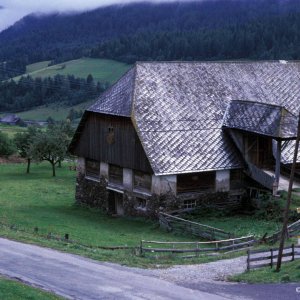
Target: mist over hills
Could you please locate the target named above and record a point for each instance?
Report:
(221, 29)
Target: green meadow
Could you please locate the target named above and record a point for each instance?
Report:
(103, 70)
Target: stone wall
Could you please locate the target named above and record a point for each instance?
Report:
(90, 192)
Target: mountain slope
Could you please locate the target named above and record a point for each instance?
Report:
(67, 36)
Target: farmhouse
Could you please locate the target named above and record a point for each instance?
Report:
(169, 134)
(11, 120)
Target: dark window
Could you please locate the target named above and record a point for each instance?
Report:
(142, 181)
(141, 204)
(115, 174)
(92, 168)
(195, 182)
(236, 179)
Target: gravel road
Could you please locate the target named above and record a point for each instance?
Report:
(75, 277)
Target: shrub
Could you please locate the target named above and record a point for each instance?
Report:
(6, 145)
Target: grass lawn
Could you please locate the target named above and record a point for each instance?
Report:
(290, 272)
(13, 290)
(39, 200)
(103, 70)
(240, 225)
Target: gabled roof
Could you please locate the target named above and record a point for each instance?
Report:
(261, 118)
(117, 100)
(178, 108)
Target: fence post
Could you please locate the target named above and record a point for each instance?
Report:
(141, 247)
(248, 260)
(271, 250)
(293, 252)
(197, 250)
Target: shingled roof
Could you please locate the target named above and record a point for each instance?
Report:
(261, 118)
(178, 108)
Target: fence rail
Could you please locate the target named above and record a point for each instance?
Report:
(269, 258)
(196, 247)
(173, 223)
(292, 231)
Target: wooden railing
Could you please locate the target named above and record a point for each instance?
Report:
(292, 230)
(196, 247)
(176, 224)
(263, 258)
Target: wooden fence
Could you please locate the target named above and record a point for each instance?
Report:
(269, 258)
(196, 247)
(177, 224)
(292, 231)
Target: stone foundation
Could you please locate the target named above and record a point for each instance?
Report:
(95, 194)
(91, 193)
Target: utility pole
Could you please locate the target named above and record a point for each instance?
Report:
(288, 201)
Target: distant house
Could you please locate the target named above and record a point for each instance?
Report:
(186, 129)
(11, 120)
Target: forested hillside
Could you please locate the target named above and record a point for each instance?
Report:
(199, 30)
(184, 30)
(28, 92)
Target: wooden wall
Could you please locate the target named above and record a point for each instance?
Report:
(113, 140)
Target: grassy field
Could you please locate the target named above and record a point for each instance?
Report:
(242, 225)
(11, 130)
(103, 70)
(38, 200)
(56, 111)
(290, 272)
(13, 290)
(37, 66)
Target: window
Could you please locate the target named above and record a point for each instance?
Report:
(142, 181)
(115, 175)
(92, 168)
(195, 182)
(110, 138)
(236, 179)
(141, 204)
(189, 203)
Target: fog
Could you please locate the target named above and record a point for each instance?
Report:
(14, 10)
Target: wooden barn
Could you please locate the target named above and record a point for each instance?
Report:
(168, 133)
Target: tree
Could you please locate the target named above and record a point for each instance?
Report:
(50, 145)
(6, 145)
(23, 141)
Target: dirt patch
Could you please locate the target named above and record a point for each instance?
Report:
(13, 159)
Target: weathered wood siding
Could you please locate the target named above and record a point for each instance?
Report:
(113, 140)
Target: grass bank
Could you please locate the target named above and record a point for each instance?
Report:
(290, 272)
(13, 290)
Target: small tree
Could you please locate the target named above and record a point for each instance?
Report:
(50, 146)
(6, 145)
(23, 141)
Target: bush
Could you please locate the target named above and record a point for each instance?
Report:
(6, 145)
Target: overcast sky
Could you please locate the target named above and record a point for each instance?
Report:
(16, 9)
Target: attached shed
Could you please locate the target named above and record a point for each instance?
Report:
(187, 129)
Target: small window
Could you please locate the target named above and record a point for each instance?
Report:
(141, 204)
(110, 138)
(189, 203)
(92, 168)
(142, 181)
(115, 174)
(195, 182)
